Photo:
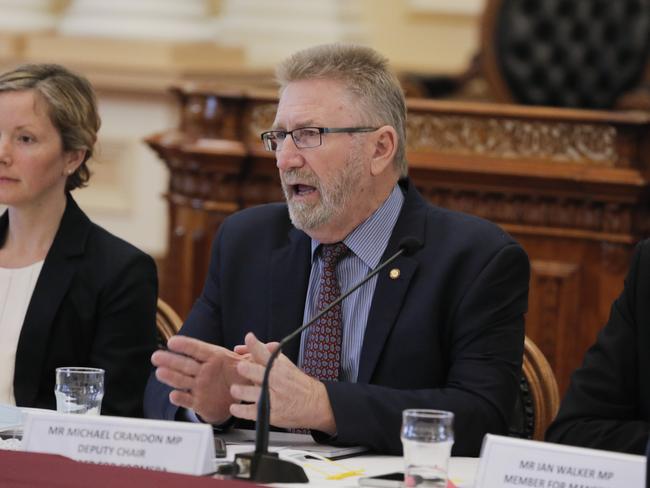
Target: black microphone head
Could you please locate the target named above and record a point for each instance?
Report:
(410, 245)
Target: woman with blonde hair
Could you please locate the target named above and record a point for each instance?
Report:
(71, 294)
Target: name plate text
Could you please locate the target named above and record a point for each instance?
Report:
(513, 463)
(179, 447)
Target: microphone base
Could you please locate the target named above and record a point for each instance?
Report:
(268, 468)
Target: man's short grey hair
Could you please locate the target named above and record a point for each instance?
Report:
(366, 74)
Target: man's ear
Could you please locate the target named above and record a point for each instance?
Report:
(384, 149)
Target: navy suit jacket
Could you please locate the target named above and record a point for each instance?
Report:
(94, 305)
(607, 405)
(447, 334)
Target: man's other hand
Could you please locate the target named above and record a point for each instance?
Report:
(201, 375)
(297, 399)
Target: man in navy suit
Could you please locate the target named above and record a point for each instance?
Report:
(442, 329)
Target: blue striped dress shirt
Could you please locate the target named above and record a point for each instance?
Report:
(367, 244)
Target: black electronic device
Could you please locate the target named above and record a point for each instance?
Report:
(220, 450)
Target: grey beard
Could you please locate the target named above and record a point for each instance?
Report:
(306, 217)
(334, 198)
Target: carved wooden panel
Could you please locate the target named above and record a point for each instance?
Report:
(509, 138)
(556, 286)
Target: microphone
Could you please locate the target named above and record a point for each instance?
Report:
(261, 465)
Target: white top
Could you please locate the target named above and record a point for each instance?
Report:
(16, 288)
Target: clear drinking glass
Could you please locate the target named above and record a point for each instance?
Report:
(79, 390)
(427, 437)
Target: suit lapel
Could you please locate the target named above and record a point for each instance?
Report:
(390, 293)
(53, 283)
(290, 269)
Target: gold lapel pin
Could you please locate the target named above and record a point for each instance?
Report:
(394, 273)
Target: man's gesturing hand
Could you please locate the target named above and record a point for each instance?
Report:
(297, 400)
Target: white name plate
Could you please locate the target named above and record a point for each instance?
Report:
(510, 463)
(178, 447)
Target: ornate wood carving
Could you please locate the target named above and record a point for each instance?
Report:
(570, 185)
(515, 139)
(517, 207)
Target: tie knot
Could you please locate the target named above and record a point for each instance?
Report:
(332, 253)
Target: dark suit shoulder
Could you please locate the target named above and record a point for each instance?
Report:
(79, 236)
(113, 247)
(631, 303)
(449, 231)
(465, 243)
(639, 273)
(111, 259)
(466, 228)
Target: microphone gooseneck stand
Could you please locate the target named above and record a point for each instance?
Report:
(261, 465)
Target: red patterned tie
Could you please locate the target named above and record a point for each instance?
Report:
(322, 358)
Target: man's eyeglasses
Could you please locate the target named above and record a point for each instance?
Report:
(305, 137)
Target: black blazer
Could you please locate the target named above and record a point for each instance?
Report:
(94, 305)
(448, 334)
(607, 405)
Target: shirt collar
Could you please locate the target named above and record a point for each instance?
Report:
(369, 240)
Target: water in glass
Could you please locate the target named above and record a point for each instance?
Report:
(79, 390)
(426, 463)
(427, 439)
